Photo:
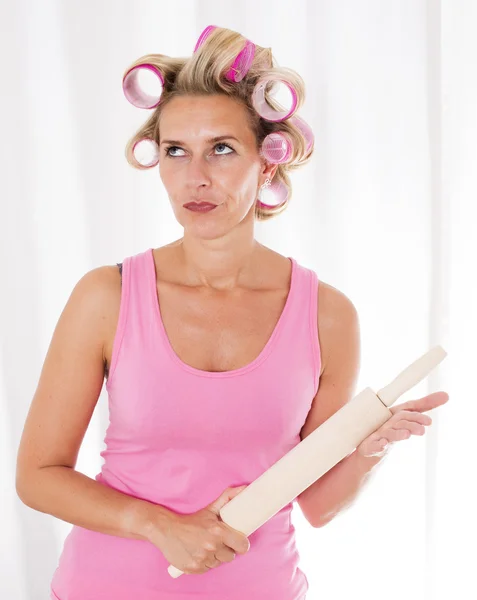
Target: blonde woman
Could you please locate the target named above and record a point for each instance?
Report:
(220, 356)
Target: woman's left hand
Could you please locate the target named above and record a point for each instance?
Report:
(407, 419)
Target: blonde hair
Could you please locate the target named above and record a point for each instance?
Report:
(203, 74)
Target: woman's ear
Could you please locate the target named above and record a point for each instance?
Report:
(269, 170)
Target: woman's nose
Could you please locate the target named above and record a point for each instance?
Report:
(198, 172)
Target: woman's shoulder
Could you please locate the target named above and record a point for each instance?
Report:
(102, 286)
(100, 283)
(337, 316)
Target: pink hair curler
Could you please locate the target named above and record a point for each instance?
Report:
(276, 192)
(137, 83)
(263, 108)
(203, 36)
(242, 62)
(277, 147)
(146, 152)
(305, 130)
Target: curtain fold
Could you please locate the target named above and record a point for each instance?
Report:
(385, 211)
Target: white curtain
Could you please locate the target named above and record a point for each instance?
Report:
(385, 212)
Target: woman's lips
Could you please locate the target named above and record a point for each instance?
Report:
(200, 206)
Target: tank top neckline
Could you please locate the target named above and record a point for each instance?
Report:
(152, 284)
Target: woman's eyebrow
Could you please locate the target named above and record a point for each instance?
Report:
(209, 141)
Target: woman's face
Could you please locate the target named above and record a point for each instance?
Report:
(195, 167)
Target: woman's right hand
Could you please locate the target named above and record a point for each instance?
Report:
(200, 541)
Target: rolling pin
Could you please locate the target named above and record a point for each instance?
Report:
(332, 441)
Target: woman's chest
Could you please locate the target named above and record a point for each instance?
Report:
(219, 331)
(212, 331)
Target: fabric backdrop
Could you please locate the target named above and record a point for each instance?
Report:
(385, 211)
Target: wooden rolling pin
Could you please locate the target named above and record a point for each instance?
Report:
(337, 437)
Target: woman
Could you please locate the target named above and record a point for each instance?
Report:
(220, 355)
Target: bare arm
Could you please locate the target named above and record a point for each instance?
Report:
(67, 392)
(340, 344)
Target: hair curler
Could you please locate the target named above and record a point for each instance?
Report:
(277, 191)
(277, 147)
(242, 62)
(335, 439)
(262, 105)
(146, 152)
(138, 80)
(305, 130)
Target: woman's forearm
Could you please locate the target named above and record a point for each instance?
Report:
(76, 498)
(337, 488)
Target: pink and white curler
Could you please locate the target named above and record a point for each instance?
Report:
(146, 152)
(203, 36)
(277, 193)
(143, 85)
(277, 147)
(263, 108)
(305, 130)
(242, 62)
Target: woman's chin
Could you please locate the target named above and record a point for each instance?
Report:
(203, 228)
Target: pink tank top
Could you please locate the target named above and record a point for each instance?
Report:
(178, 436)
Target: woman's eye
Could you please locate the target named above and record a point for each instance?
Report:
(225, 146)
(168, 150)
